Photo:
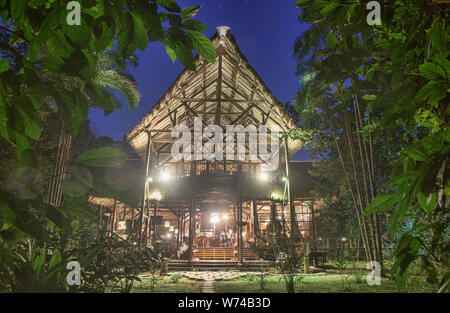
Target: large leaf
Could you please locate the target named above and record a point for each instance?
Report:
(194, 25)
(102, 157)
(186, 57)
(140, 33)
(431, 71)
(17, 9)
(329, 8)
(203, 45)
(170, 5)
(189, 12)
(439, 35)
(427, 202)
(382, 203)
(416, 154)
(331, 41)
(4, 65)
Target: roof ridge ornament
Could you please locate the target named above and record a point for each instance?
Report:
(222, 31)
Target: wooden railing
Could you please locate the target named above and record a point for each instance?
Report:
(203, 167)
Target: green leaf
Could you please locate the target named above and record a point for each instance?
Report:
(427, 202)
(189, 12)
(78, 182)
(300, 3)
(58, 44)
(55, 260)
(442, 61)
(169, 5)
(194, 25)
(186, 57)
(369, 97)
(4, 65)
(18, 9)
(102, 157)
(416, 154)
(172, 54)
(439, 35)
(38, 262)
(383, 203)
(331, 41)
(431, 71)
(203, 46)
(140, 33)
(329, 8)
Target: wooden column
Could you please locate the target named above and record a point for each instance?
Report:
(293, 221)
(255, 218)
(191, 228)
(100, 218)
(148, 153)
(113, 217)
(313, 231)
(273, 214)
(239, 216)
(155, 209)
(179, 226)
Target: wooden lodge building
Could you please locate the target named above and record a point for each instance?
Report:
(215, 210)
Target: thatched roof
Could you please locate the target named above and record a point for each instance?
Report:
(227, 92)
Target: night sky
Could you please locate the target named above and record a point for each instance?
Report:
(265, 31)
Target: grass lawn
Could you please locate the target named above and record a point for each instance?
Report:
(166, 285)
(316, 283)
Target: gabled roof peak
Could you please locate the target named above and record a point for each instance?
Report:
(222, 30)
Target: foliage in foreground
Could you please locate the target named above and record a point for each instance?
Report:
(399, 75)
(47, 63)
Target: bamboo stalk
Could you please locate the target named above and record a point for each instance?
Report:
(365, 234)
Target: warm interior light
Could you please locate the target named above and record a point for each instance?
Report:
(155, 196)
(214, 219)
(169, 235)
(165, 176)
(149, 179)
(167, 224)
(225, 217)
(275, 196)
(263, 176)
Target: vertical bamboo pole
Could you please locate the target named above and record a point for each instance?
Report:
(239, 213)
(191, 228)
(146, 186)
(293, 217)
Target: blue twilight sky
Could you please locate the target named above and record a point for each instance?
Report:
(265, 31)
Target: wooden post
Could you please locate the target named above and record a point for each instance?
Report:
(191, 229)
(113, 218)
(100, 218)
(293, 218)
(239, 213)
(155, 208)
(273, 216)
(148, 154)
(306, 264)
(313, 231)
(255, 218)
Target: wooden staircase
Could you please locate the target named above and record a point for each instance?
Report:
(221, 254)
(214, 265)
(219, 259)
(248, 254)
